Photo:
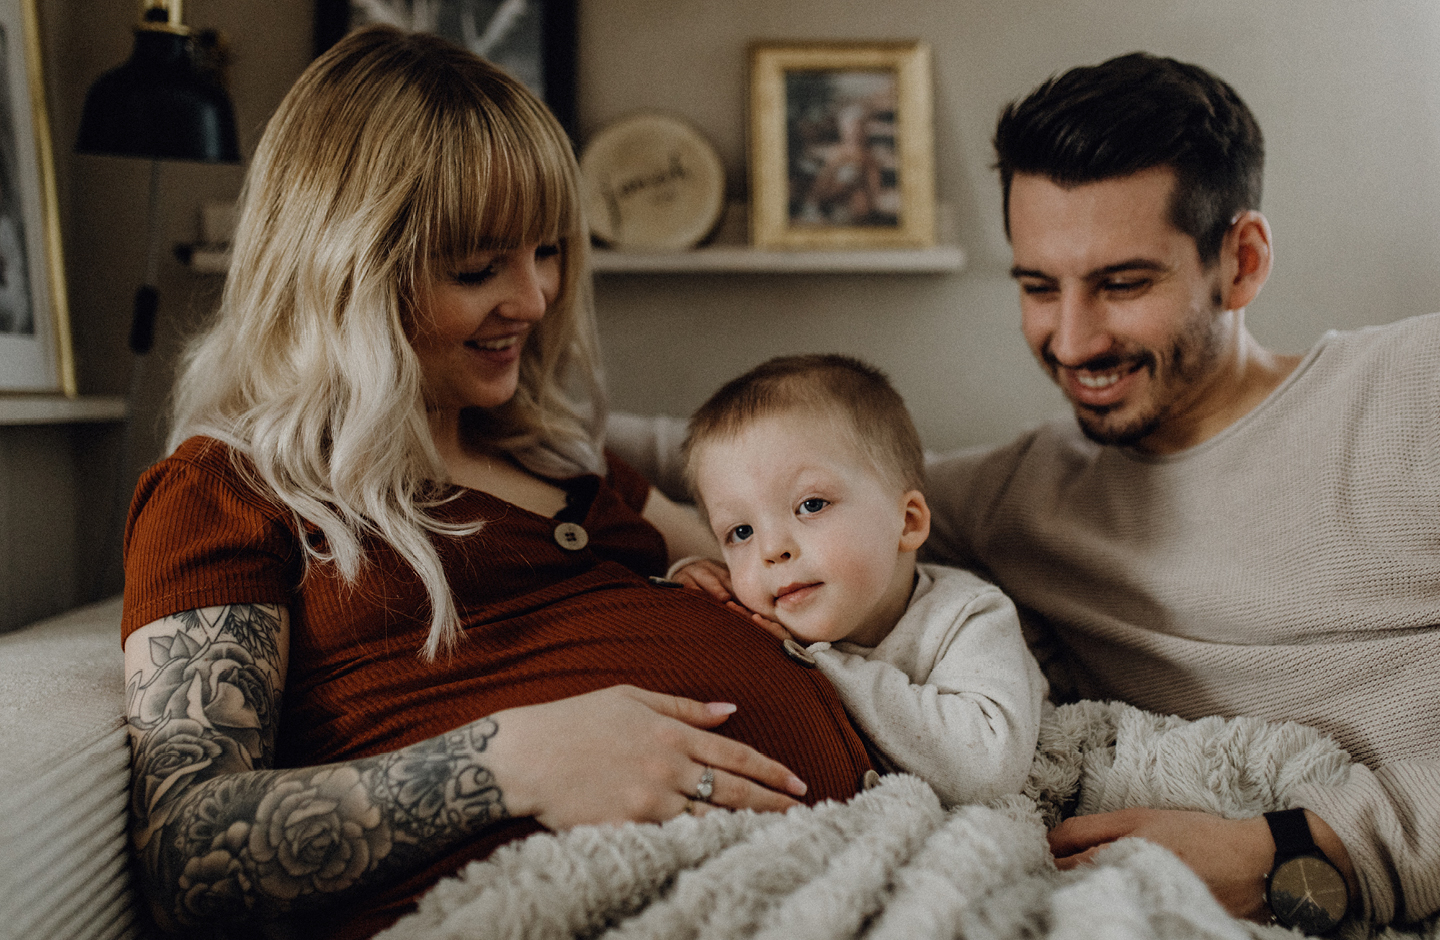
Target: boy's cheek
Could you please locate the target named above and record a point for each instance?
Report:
(750, 593)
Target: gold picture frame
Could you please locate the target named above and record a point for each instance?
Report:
(842, 145)
(35, 352)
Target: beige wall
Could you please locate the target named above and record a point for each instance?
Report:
(1348, 93)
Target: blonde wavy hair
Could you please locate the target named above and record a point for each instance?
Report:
(393, 157)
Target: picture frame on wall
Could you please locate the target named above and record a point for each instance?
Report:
(35, 352)
(842, 151)
(534, 40)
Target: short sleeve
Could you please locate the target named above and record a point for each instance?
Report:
(200, 535)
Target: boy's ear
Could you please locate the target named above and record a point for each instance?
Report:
(917, 521)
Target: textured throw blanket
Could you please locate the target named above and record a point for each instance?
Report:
(893, 863)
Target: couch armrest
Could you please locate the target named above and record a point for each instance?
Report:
(65, 780)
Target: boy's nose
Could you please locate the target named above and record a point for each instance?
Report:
(778, 548)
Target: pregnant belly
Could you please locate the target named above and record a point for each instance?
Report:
(605, 628)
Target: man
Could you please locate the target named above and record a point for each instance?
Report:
(1221, 530)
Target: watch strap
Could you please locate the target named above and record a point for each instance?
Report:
(1292, 834)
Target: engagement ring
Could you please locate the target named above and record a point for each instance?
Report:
(706, 786)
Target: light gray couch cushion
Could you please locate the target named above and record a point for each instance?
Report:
(64, 780)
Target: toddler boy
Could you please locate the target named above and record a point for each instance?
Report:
(811, 475)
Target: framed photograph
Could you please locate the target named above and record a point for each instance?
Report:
(534, 40)
(842, 151)
(34, 320)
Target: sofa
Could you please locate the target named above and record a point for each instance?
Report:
(65, 780)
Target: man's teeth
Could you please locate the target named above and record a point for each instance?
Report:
(1102, 380)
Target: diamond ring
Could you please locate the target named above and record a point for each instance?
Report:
(706, 786)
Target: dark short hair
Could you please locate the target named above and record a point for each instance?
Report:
(1131, 113)
(859, 394)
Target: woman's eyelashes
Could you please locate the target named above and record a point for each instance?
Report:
(475, 276)
(488, 266)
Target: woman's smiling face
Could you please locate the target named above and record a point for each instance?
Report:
(472, 322)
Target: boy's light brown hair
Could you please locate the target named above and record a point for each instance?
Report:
(858, 395)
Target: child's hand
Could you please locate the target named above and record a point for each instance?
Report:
(771, 627)
(713, 578)
(708, 576)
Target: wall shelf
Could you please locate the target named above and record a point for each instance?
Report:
(726, 259)
(740, 259)
(57, 409)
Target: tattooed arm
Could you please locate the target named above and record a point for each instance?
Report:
(221, 836)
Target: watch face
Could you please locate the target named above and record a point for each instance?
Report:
(1308, 893)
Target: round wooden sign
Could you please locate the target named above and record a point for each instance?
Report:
(652, 182)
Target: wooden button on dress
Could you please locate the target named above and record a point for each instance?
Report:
(798, 653)
(571, 537)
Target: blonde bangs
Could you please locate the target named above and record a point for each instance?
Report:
(499, 183)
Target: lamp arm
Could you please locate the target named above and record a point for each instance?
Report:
(147, 298)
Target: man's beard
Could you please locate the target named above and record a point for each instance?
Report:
(1093, 425)
(1190, 357)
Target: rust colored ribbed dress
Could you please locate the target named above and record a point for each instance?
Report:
(541, 622)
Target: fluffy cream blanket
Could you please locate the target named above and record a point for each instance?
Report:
(894, 863)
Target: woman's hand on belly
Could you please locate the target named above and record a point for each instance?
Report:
(624, 754)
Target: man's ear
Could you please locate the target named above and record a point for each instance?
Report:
(917, 521)
(1246, 256)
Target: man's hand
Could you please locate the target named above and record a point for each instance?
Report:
(1232, 856)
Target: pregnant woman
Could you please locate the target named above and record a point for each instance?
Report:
(386, 603)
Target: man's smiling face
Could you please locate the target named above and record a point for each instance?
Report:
(1115, 303)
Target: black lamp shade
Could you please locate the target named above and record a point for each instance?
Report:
(159, 105)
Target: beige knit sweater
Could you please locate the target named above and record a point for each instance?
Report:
(1288, 568)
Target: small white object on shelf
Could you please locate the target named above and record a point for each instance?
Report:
(652, 182)
(57, 409)
(208, 259)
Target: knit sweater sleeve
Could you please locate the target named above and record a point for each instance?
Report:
(962, 488)
(1387, 817)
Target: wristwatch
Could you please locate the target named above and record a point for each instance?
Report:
(1304, 890)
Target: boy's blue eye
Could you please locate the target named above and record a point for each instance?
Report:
(813, 505)
(740, 533)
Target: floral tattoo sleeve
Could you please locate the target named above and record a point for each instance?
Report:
(220, 835)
